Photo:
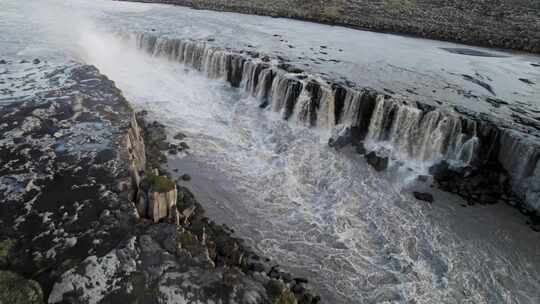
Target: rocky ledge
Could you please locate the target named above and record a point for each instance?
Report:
(86, 216)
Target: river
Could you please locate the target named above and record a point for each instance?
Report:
(357, 234)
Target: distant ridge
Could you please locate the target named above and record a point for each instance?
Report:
(508, 24)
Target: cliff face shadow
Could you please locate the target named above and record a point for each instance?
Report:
(472, 52)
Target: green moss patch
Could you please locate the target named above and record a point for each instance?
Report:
(14, 289)
(187, 239)
(159, 183)
(5, 247)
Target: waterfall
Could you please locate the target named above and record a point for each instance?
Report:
(409, 130)
(427, 136)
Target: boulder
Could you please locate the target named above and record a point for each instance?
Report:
(179, 136)
(377, 162)
(441, 171)
(341, 136)
(426, 197)
(279, 293)
(360, 148)
(183, 146)
(157, 198)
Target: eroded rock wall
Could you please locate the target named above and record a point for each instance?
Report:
(512, 24)
(65, 177)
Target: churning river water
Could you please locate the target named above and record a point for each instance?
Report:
(358, 235)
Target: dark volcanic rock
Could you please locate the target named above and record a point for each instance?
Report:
(426, 197)
(179, 136)
(479, 82)
(183, 146)
(496, 102)
(360, 148)
(487, 185)
(71, 168)
(69, 165)
(470, 52)
(377, 162)
(525, 80)
(290, 68)
(341, 136)
(212, 248)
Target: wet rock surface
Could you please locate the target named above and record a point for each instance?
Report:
(379, 163)
(426, 197)
(67, 160)
(237, 267)
(486, 186)
(73, 164)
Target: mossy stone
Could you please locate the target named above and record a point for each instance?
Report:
(286, 297)
(187, 239)
(279, 293)
(5, 247)
(14, 289)
(159, 184)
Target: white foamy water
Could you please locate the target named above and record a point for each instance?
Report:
(324, 214)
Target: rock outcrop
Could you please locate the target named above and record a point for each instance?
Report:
(157, 198)
(73, 167)
(511, 24)
(69, 161)
(213, 247)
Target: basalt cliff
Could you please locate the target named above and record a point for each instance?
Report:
(87, 215)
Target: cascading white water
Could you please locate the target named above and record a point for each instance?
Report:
(425, 136)
(410, 132)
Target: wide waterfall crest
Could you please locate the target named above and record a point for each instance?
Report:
(409, 130)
